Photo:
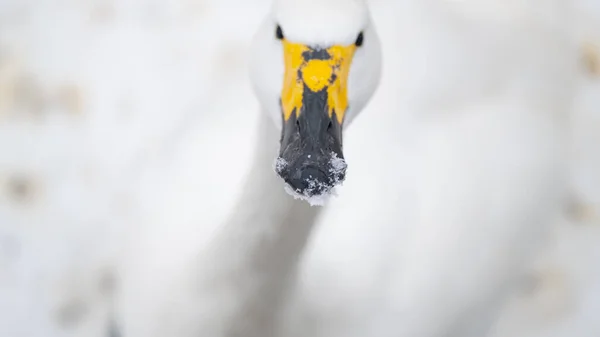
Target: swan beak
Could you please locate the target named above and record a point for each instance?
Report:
(314, 101)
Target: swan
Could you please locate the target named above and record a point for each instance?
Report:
(314, 65)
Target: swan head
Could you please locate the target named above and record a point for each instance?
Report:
(314, 65)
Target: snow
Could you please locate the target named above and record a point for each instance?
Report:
(279, 164)
(313, 200)
(338, 165)
(124, 129)
(337, 169)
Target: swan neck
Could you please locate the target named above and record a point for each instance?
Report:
(270, 224)
(254, 255)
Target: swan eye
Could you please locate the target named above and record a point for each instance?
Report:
(279, 33)
(359, 39)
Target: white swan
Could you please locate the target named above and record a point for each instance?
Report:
(314, 65)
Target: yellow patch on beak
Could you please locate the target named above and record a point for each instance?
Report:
(316, 70)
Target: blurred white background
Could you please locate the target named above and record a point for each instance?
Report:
(125, 132)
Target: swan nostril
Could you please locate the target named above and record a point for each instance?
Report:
(298, 125)
(329, 126)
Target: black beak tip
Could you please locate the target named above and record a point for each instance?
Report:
(312, 179)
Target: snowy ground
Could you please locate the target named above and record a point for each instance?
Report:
(125, 129)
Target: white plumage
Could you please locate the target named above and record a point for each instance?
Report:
(444, 62)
